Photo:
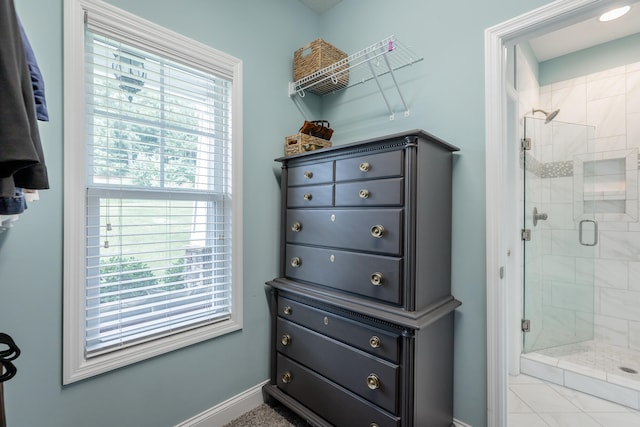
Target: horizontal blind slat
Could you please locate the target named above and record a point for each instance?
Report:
(158, 219)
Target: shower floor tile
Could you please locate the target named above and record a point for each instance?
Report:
(600, 357)
(598, 369)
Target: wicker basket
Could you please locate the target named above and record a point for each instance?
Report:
(316, 56)
(301, 142)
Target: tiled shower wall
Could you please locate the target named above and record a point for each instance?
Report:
(609, 104)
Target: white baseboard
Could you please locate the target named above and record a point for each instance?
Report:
(228, 410)
(239, 404)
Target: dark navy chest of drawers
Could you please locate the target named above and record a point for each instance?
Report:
(362, 312)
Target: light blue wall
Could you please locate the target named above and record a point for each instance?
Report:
(446, 96)
(598, 58)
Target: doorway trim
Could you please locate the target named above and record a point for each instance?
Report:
(499, 200)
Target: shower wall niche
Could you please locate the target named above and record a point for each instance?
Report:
(606, 185)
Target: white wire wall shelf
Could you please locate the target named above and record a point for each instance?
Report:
(372, 63)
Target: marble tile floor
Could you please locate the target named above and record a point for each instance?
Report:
(603, 360)
(536, 403)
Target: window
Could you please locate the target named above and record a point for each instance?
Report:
(153, 156)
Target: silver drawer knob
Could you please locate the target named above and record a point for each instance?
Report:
(374, 342)
(308, 174)
(377, 231)
(376, 279)
(295, 262)
(364, 193)
(287, 310)
(287, 377)
(365, 167)
(286, 339)
(296, 226)
(307, 196)
(373, 382)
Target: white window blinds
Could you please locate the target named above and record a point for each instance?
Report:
(158, 195)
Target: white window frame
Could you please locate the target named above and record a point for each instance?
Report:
(137, 31)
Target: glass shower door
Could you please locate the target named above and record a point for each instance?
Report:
(560, 235)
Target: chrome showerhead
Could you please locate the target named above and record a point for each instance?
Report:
(549, 116)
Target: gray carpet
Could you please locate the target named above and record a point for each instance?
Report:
(268, 416)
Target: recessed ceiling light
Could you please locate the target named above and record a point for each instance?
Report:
(614, 13)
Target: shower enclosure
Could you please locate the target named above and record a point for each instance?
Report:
(561, 236)
(581, 269)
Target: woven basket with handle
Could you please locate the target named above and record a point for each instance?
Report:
(316, 56)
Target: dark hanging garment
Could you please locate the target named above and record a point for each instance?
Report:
(37, 82)
(21, 155)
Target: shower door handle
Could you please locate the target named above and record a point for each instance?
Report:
(581, 233)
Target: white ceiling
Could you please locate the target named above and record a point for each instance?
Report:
(320, 6)
(585, 34)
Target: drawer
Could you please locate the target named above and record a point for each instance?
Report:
(312, 173)
(371, 230)
(379, 192)
(373, 276)
(369, 377)
(378, 342)
(337, 405)
(310, 196)
(371, 166)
